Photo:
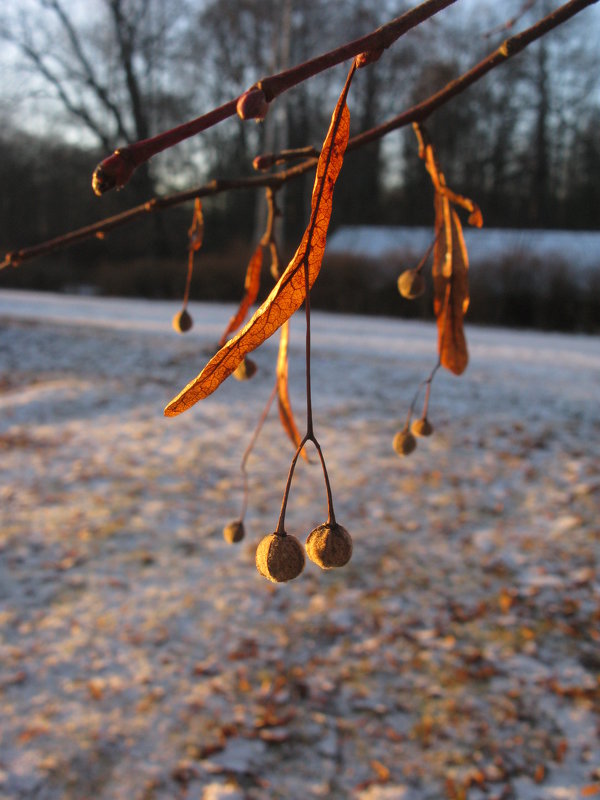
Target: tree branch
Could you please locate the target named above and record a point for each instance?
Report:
(117, 169)
(77, 110)
(416, 113)
(509, 48)
(89, 76)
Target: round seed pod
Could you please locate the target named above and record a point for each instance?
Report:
(245, 370)
(422, 427)
(411, 284)
(182, 321)
(329, 546)
(404, 442)
(234, 532)
(279, 557)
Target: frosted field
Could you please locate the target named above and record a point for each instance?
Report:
(141, 658)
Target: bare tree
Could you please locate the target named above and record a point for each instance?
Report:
(106, 70)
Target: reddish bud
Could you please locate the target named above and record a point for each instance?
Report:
(368, 57)
(263, 162)
(115, 170)
(252, 104)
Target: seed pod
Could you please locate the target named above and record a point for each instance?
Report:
(411, 284)
(234, 532)
(279, 557)
(245, 370)
(182, 321)
(422, 427)
(329, 546)
(404, 442)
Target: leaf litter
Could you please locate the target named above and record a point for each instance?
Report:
(457, 655)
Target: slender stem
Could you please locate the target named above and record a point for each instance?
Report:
(217, 186)
(426, 255)
(250, 447)
(188, 281)
(286, 492)
(309, 416)
(428, 390)
(427, 383)
(330, 511)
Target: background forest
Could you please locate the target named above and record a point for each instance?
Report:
(77, 82)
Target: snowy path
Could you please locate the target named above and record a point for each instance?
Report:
(458, 654)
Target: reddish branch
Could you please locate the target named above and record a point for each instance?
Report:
(509, 48)
(117, 169)
(417, 113)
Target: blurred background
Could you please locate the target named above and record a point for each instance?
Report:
(78, 80)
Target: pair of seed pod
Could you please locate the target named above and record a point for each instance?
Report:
(280, 556)
(405, 441)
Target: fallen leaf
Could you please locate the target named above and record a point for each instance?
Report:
(289, 292)
(383, 773)
(591, 790)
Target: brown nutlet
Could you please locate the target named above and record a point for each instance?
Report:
(411, 284)
(329, 546)
(404, 442)
(182, 321)
(234, 532)
(279, 557)
(245, 370)
(422, 427)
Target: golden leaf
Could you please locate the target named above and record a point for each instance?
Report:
(251, 287)
(285, 408)
(290, 290)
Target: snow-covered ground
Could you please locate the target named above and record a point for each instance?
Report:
(142, 658)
